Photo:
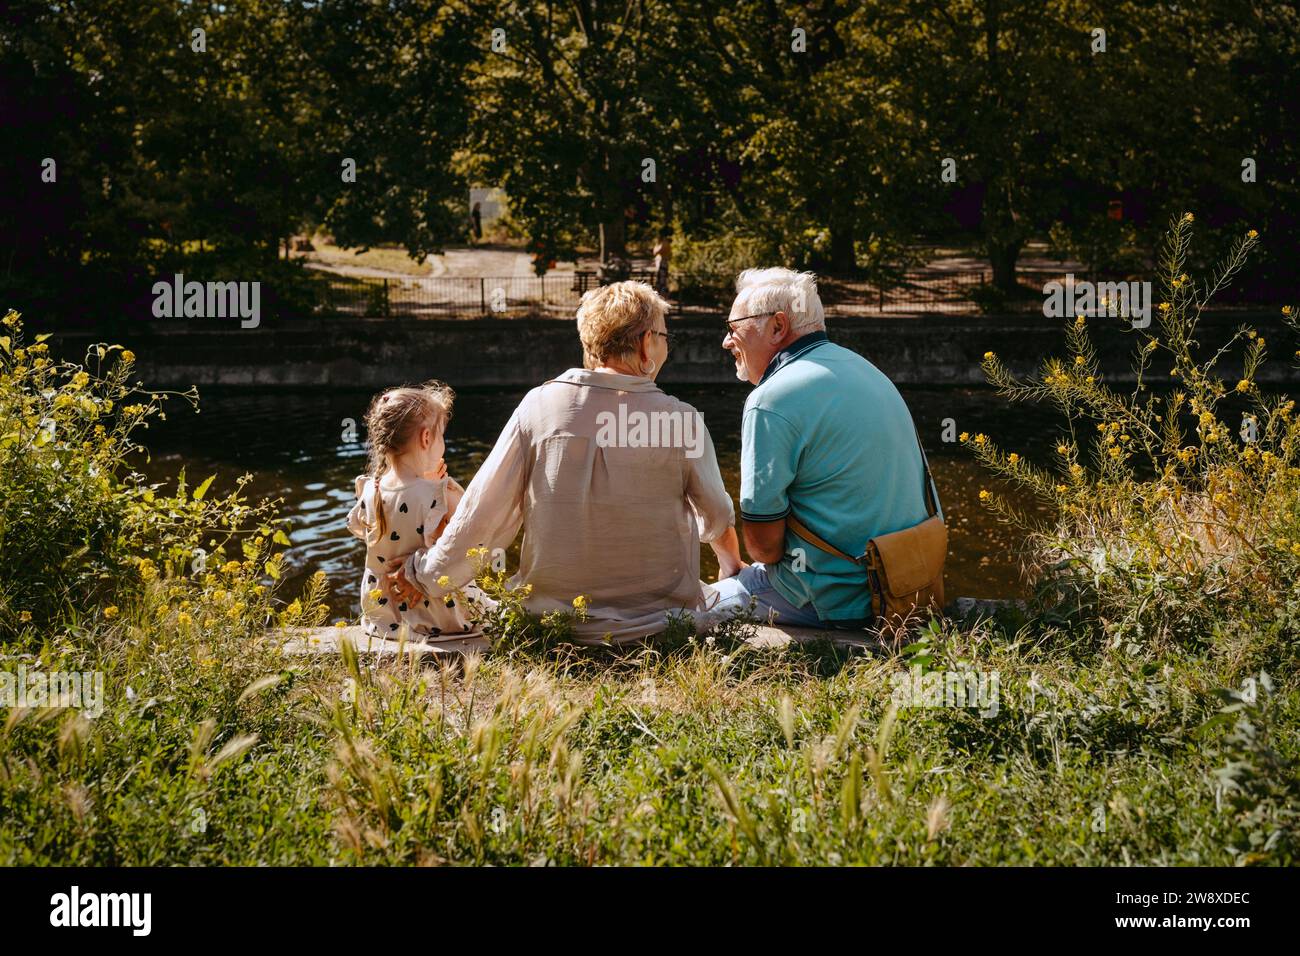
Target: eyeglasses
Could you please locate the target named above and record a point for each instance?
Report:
(669, 338)
(731, 323)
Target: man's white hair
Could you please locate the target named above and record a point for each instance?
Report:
(783, 290)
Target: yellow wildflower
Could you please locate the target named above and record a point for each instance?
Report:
(985, 494)
(444, 581)
(24, 616)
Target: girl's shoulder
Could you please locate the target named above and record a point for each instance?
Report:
(415, 488)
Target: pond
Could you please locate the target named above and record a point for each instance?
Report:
(292, 443)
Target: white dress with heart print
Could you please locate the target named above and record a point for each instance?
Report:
(413, 514)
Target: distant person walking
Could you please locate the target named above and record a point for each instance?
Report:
(663, 252)
(476, 217)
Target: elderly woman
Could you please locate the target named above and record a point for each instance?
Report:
(613, 482)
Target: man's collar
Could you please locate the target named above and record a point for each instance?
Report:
(792, 351)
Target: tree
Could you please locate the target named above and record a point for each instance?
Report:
(395, 101)
(569, 105)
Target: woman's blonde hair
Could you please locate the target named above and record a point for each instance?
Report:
(394, 418)
(613, 318)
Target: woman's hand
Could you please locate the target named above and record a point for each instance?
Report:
(727, 549)
(729, 569)
(400, 586)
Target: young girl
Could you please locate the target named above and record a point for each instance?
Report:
(403, 504)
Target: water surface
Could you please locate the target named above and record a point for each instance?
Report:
(293, 444)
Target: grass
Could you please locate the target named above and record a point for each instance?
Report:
(1143, 710)
(222, 751)
(392, 257)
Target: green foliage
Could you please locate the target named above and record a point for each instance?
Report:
(1260, 784)
(79, 529)
(169, 157)
(1166, 512)
(215, 748)
(1103, 245)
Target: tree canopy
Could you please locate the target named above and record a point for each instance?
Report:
(147, 134)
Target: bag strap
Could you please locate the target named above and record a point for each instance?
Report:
(799, 528)
(931, 497)
(931, 507)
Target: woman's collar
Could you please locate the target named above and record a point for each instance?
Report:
(614, 380)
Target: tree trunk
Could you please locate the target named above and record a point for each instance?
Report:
(613, 237)
(1003, 236)
(844, 258)
(1003, 256)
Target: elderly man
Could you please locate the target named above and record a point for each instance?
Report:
(826, 439)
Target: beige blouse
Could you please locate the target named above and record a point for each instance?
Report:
(614, 497)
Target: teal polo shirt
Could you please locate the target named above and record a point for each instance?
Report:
(827, 436)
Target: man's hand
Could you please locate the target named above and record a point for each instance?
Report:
(402, 588)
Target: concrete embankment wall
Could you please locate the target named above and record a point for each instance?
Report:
(372, 353)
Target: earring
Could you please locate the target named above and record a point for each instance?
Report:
(653, 366)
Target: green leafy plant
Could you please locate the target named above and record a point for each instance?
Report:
(1164, 513)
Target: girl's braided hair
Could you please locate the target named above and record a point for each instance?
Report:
(394, 418)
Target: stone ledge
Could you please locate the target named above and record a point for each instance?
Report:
(313, 641)
(308, 641)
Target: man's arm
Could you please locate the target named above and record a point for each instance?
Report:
(765, 540)
(770, 451)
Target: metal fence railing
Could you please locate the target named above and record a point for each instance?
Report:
(558, 294)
